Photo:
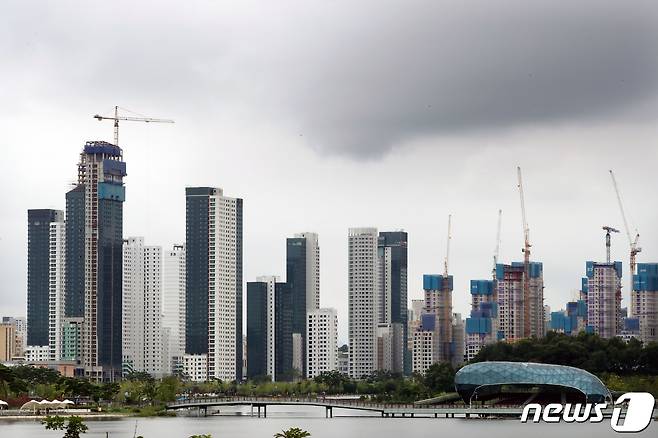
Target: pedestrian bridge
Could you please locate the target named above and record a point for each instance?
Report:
(260, 405)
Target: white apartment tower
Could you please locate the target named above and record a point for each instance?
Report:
(213, 323)
(363, 288)
(270, 364)
(56, 288)
(173, 305)
(322, 340)
(142, 307)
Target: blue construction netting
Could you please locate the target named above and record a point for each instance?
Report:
(482, 287)
(437, 282)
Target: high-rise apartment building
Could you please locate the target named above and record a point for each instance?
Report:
(645, 285)
(97, 202)
(517, 317)
(213, 245)
(363, 289)
(482, 326)
(57, 288)
(424, 351)
(392, 299)
(38, 273)
(303, 278)
(20, 327)
(604, 298)
(322, 343)
(142, 307)
(173, 307)
(438, 301)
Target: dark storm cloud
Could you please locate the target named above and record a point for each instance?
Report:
(354, 78)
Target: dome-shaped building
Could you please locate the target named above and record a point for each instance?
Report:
(521, 382)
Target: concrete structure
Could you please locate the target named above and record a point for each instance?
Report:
(7, 341)
(518, 319)
(645, 285)
(392, 299)
(303, 278)
(37, 353)
(458, 340)
(101, 194)
(438, 302)
(173, 306)
(213, 244)
(343, 361)
(322, 339)
(56, 288)
(38, 273)
(195, 367)
(603, 289)
(75, 252)
(363, 288)
(142, 307)
(72, 338)
(424, 345)
(571, 320)
(20, 333)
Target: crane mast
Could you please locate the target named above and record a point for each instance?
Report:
(634, 249)
(497, 249)
(608, 230)
(526, 258)
(116, 119)
(447, 259)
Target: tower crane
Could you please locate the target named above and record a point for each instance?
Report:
(445, 306)
(632, 242)
(497, 250)
(116, 119)
(526, 258)
(447, 259)
(608, 230)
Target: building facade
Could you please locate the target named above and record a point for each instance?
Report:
(57, 288)
(142, 307)
(482, 326)
(173, 307)
(603, 288)
(7, 341)
(519, 316)
(363, 288)
(38, 273)
(645, 285)
(392, 299)
(101, 170)
(303, 278)
(322, 344)
(213, 324)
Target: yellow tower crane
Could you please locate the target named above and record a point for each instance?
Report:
(116, 119)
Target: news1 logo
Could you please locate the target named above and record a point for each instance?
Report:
(639, 410)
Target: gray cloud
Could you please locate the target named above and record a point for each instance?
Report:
(360, 79)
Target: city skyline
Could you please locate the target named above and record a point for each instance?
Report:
(340, 157)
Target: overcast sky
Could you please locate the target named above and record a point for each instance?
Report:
(336, 114)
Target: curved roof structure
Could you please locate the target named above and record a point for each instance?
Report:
(488, 374)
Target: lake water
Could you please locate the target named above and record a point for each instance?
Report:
(312, 419)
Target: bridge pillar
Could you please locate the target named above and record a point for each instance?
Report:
(265, 411)
(412, 415)
(258, 411)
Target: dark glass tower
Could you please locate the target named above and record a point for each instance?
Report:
(197, 202)
(296, 279)
(392, 252)
(38, 261)
(284, 308)
(256, 329)
(75, 252)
